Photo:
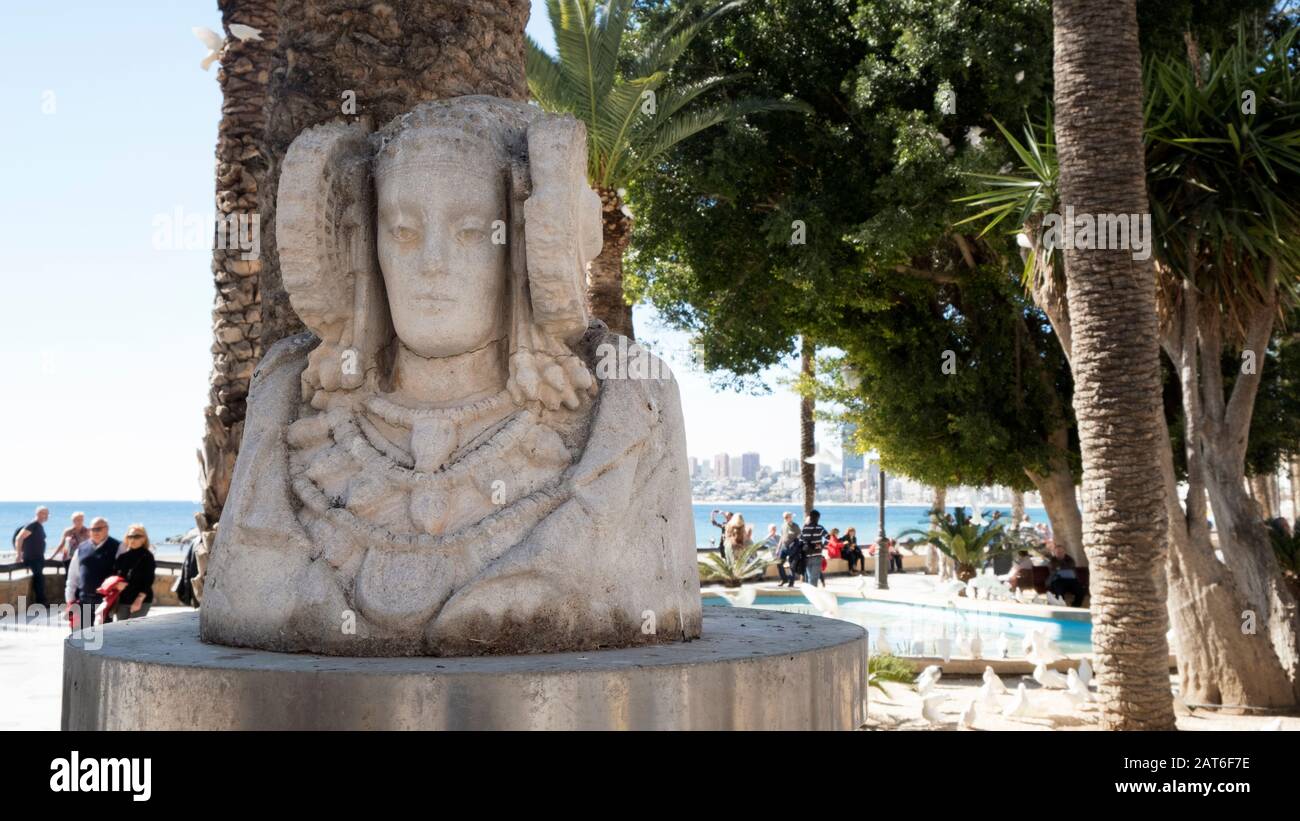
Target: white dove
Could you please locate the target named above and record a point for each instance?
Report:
(968, 716)
(976, 645)
(1043, 650)
(1085, 672)
(244, 32)
(1003, 646)
(1076, 689)
(928, 678)
(826, 602)
(1027, 643)
(950, 589)
(882, 643)
(1056, 600)
(213, 41)
(943, 645)
(994, 683)
(988, 699)
(930, 707)
(1020, 706)
(744, 597)
(1049, 678)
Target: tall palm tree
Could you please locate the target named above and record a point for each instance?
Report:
(318, 62)
(1223, 182)
(1115, 358)
(243, 163)
(631, 117)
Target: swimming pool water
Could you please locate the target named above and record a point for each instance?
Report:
(913, 629)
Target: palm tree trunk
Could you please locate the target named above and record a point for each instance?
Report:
(1115, 357)
(243, 163)
(807, 425)
(318, 62)
(605, 276)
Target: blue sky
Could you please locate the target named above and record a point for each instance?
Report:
(108, 125)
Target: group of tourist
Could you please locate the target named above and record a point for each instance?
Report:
(107, 579)
(801, 552)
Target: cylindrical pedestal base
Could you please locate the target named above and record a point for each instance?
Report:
(751, 670)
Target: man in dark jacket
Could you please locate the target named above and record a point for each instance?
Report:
(29, 541)
(92, 565)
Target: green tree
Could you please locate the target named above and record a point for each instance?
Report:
(632, 113)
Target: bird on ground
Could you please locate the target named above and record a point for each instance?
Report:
(744, 597)
(883, 646)
(1085, 672)
(988, 698)
(943, 645)
(968, 716)
(1043, 650)
(1055, 600)
(1049, 678)
(1003, 646)
(976, 645)
(950, 589)
(213, 41)
(826, 602)
(994, 683)
(930, 707)
(1020, 706)
(928, 678)
(1076, 689)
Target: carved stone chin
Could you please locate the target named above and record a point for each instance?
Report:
(436, 470)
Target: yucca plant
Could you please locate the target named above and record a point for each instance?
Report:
(732, 570)
(632, 116)
(969, 545)
(886, 667)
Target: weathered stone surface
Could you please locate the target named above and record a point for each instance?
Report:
(153, 674)
(437, 471)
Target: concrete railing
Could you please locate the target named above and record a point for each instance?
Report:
(16, 582)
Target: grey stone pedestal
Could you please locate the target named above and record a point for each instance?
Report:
(752, 670)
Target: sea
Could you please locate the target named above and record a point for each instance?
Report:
(168, 521)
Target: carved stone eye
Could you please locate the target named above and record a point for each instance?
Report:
(470, 235)
(403, 234)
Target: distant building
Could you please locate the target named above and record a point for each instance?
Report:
(749, 465)
(790, 467)
(721, 466)
(734, 465)
(695, 467)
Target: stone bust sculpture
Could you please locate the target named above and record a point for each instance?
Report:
(437, 469)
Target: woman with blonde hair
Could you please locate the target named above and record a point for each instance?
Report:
(737, 535)
(136, 566)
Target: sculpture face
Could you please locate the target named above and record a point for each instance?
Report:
(446, 278)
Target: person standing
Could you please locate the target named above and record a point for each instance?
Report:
(137, 566)
(73, 535)
(813, 539)
(29, 542)
(722, 525)
(91, 565)
(786, 548)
